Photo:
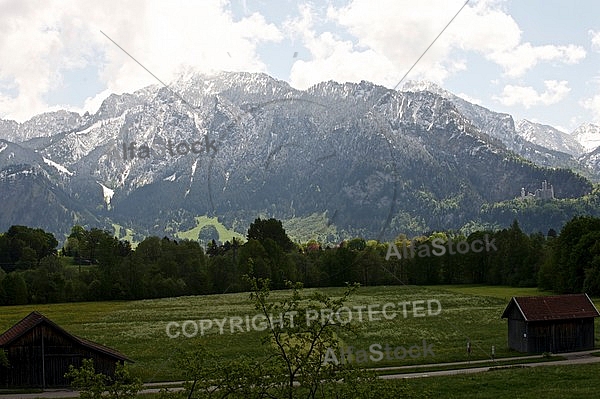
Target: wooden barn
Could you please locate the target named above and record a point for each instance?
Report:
(39, 353)
(560, 323)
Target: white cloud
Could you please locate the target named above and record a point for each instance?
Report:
(595, 38)
(593, 104)
(390, 37)
(41, 40)
(527, 96)
(520, 59)
(489, 31)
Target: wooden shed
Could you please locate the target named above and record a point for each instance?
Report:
(39, 353)
(559, 323)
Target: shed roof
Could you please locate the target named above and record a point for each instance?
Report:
(35, 318)
(555, 307)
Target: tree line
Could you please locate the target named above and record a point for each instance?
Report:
(94, 265)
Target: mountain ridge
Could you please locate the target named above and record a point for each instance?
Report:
(375, 161)
(584, 139)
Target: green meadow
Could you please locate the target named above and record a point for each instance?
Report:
(138, 328)
(201, 221)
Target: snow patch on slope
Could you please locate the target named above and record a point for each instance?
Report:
(59, 167)
(107, 193)
(171, 178)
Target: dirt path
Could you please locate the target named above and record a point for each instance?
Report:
(586, 359)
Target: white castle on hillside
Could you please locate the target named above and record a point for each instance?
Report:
(546, 192)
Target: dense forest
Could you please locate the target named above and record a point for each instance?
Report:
(94, 265)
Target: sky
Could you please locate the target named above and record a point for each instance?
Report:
(534, 59)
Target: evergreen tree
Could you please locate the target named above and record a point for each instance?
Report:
(261, 230)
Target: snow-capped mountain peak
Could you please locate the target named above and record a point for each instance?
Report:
(588, 135)
(548, 137)
(340, 149)
(425, 85)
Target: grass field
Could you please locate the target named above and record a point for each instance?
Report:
(201, 221)
(504, 293)
(552, 382)
(138, 328)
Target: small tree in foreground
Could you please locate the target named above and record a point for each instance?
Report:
(299, 343)
(94, 385)
(293, 364)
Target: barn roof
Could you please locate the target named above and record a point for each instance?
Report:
(34, 319)
(555, 307)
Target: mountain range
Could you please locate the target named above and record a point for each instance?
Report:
(333, 161)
